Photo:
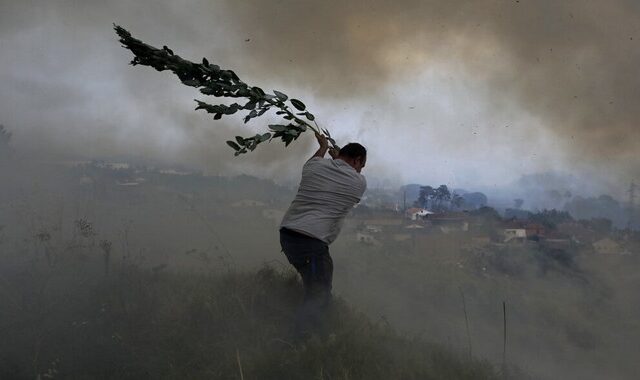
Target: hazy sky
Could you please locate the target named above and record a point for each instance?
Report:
(467, 93)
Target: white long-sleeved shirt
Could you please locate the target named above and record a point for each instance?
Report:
(328, 191)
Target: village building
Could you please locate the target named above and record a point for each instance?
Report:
(416, 213)
(533, 231)
(515, 235)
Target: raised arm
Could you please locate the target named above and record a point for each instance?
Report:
(324, 146)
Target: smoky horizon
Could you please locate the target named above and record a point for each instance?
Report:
(474, 95)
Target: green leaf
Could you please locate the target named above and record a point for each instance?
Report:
(233, 75)
(235, 146)
(212, 80)
(298, 104)
(191, 82)
(258, 90)
(265, 137)
(293, 132)
(287, 139)
(277, 127)
(281, 95)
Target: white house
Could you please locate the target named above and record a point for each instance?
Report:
(416, 213)
(515, 235)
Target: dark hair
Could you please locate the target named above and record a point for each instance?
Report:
(353, 150)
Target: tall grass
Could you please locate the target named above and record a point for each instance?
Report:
(72, 320)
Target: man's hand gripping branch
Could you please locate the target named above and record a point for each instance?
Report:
(324, 147)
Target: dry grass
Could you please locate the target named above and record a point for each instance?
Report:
(71, 320)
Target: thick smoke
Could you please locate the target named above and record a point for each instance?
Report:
(573, 65)
(471, 92)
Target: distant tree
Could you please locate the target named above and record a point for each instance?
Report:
(426, 196)
(487, 213)
(442, 195)
(517, 203)
(438, 199)
(474, 200)
(601, 226)
(603, 206)
(550, 218)
(516, 213)
(456, 200)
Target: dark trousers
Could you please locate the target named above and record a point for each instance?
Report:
(311, 259)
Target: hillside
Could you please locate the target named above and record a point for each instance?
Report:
(71, 320)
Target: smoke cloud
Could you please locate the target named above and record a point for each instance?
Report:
(468, 93)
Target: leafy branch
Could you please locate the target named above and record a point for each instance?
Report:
(212, 80)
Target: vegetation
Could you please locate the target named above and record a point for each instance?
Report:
(439, 199)
(72, 320)
(210, 79)
(570, 314)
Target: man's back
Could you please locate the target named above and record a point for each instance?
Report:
(328, 191)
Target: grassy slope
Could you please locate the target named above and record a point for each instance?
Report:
(72, 321)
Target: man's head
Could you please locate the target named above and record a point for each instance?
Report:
(355, 155)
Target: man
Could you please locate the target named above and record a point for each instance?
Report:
(328, 190)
